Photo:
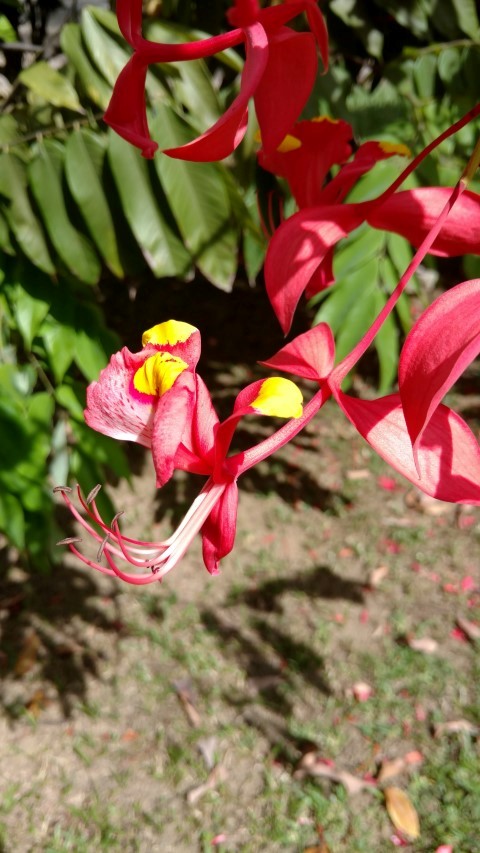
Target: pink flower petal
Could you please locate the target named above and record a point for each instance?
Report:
(286, 84)
(112, 409)
(221, 139)
(218, 532)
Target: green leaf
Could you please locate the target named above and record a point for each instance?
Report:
(106, 53)
(29, 312)
(72, 398)
(87, 190)
(50, 85)
(467, 17)
(363, 244)
(162, 249)
(21, 219)
(93, 83)
(7, 32)
(199, 199)
(425, 73)
(93, 342)
(359, 310)
(389, 278)
(12, 520)
(386, 344)
(74, 249)
(59, 342)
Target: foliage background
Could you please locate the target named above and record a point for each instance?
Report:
(83, 218)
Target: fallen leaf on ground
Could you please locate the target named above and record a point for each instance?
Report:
(312, 765)
(455, 726)
(184, 693)
(358, 474)
(37, 703)
(217, 774)
(471, 629)
(362, 691)
(426, 645)
(395, 766)
(27, 658)
(401, 812)
(468, 583)
(377, 576)
(207, 747)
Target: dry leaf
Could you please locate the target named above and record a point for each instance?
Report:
(311, 765)
(28, 655)
(395, 766)
(471, 629)
(377, 576)
(454, 726)
(218, 774)
(362, 691)
(357, 474)
(426, 645)
(183, 691)
(37, 703)
(207, 747)
(402, 812)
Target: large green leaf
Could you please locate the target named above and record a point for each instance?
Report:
(29, 311)
(50, 85)
(163, 250)
(199, 200)
(106, 53)
(87, 190)
(93, 83)
(73, 247)
(20, 216)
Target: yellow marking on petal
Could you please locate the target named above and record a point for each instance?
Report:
(158, 373)
(169, 333)
(326, 118)
(290, 143)
(279, 398)
(395, 148)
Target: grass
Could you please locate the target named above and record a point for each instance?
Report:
(269, 652)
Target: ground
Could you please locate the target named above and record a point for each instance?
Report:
(226, 713)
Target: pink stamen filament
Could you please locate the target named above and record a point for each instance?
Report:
(160, 557)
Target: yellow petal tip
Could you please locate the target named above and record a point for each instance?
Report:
(279, 398)
(169, 333)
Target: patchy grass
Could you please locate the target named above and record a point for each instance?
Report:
(134, 699)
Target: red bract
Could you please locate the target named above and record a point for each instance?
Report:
(279, 73)
(155, 398)
(299, 256)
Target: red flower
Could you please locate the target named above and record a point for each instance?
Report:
(155, 398)
(279, 73)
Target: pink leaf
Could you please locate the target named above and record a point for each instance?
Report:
(448, 455)
(442, 343)
(412, 213)
(298, 248)
(309, 355)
